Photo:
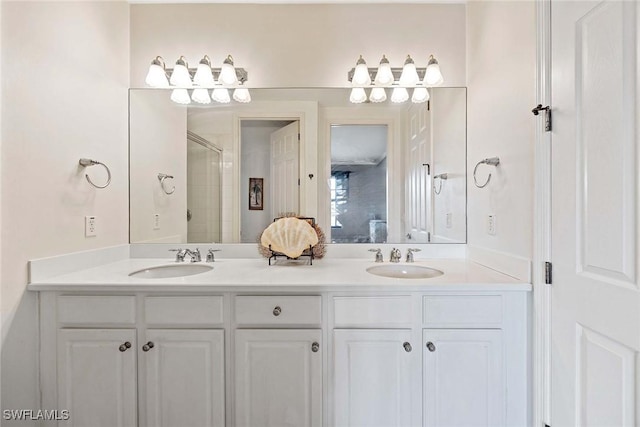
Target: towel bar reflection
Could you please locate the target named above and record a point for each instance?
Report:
(88, 162)
(440, 177)
(492, 161)
(162, 177)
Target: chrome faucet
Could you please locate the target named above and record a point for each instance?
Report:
(378, 254)
(410, 252)
(180, 253)
(395, 255)
(210, 255)
(195, 255)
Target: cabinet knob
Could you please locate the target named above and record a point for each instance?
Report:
(315, 347)
(277, 310)
(431, 347)
(125, 346)
(148, 346)
(407, 347)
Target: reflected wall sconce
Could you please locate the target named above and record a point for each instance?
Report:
(400, 80)
(204, 82)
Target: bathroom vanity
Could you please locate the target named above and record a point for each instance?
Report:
(248, 344)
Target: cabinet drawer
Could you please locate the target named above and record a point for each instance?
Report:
(372, 310)
(192, 310)
(96, 310)
(278, 310)
(474, 311)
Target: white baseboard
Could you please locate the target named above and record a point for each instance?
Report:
(511, 265)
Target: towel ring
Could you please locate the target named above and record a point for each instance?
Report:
(88, 162)
(161, 178)
(442, 177)
(492, 161)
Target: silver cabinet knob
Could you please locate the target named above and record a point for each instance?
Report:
(431, 347)
(315, 347)
(407, 347)
(277, 310)
(124, 346)
(148, 346)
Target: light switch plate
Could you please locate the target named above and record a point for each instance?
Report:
(90, 226)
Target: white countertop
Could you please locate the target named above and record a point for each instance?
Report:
(256, 275)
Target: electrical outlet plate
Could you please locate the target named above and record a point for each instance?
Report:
(491, 224)
(156, 221)
(90, 226)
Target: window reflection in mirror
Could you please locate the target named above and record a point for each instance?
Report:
(358, 183)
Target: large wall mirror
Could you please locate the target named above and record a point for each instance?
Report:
(369, 173)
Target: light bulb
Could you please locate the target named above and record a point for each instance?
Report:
(378, 94)
(384, 76)
(409, 76)
(204, 76)
(358, 95)
(242, 94)
(221, 95)
(180, 96)
(157, 76)
(201, 96)
(361, 75)
(180, 75)
(228, 72)
(433, 76)
(399, 94)
(420, 95)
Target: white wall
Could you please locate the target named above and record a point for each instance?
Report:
(501, 54)
(65, 74)
(299, 45)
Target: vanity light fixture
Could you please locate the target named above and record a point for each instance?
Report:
(228, 72)
(180, 96)
(221, 95)
(201, 96)
(204, 75)
(180, 75)
(157, 75)
(242, 95)
(399, 79)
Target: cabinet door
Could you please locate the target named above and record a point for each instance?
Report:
(184, 378)
(375, 378)
(463, 378)
(96, 380)
(278, 378)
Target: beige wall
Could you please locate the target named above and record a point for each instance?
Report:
(501, 55)
(299, 45)
(65, 69)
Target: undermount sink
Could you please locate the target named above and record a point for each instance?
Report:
(404, 271)
(166, 271)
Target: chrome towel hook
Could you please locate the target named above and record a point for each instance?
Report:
(88, 162)
(162, 177)
(441, 177)
(492, 161)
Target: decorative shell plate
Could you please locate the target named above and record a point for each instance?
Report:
(290, 236)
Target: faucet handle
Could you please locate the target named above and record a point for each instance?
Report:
(410, 252)
(210, 255)
(196, 256)
(378, 254)
(414, 250)
(180, 253)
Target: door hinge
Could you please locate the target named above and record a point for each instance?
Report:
(298, 181)
(548, 273)
(298, 136)
(547, 116)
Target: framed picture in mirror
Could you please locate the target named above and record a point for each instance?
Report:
(256, 194)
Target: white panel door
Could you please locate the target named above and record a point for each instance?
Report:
(375, 378)
(285, 153)
(278, 380)
(595, 308)
(463, 380)
(183, 377)
(97, 377)
(418, 180)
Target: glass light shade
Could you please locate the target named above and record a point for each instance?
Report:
(433, 76)
(242, 94)
(221, 95)
(399, 94)
(378, 94)
(201, 96)
(157, 76)
(409, 76)
(180, 75)
(361, 75)
(180, 96)
(358, 95)
(228, 72)
(204, 76)
(384, 76)
(420, 95)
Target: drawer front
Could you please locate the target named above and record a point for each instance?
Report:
(191, 310)
(480, 311)
(96, 310)
(366, 311)
(278, 310)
